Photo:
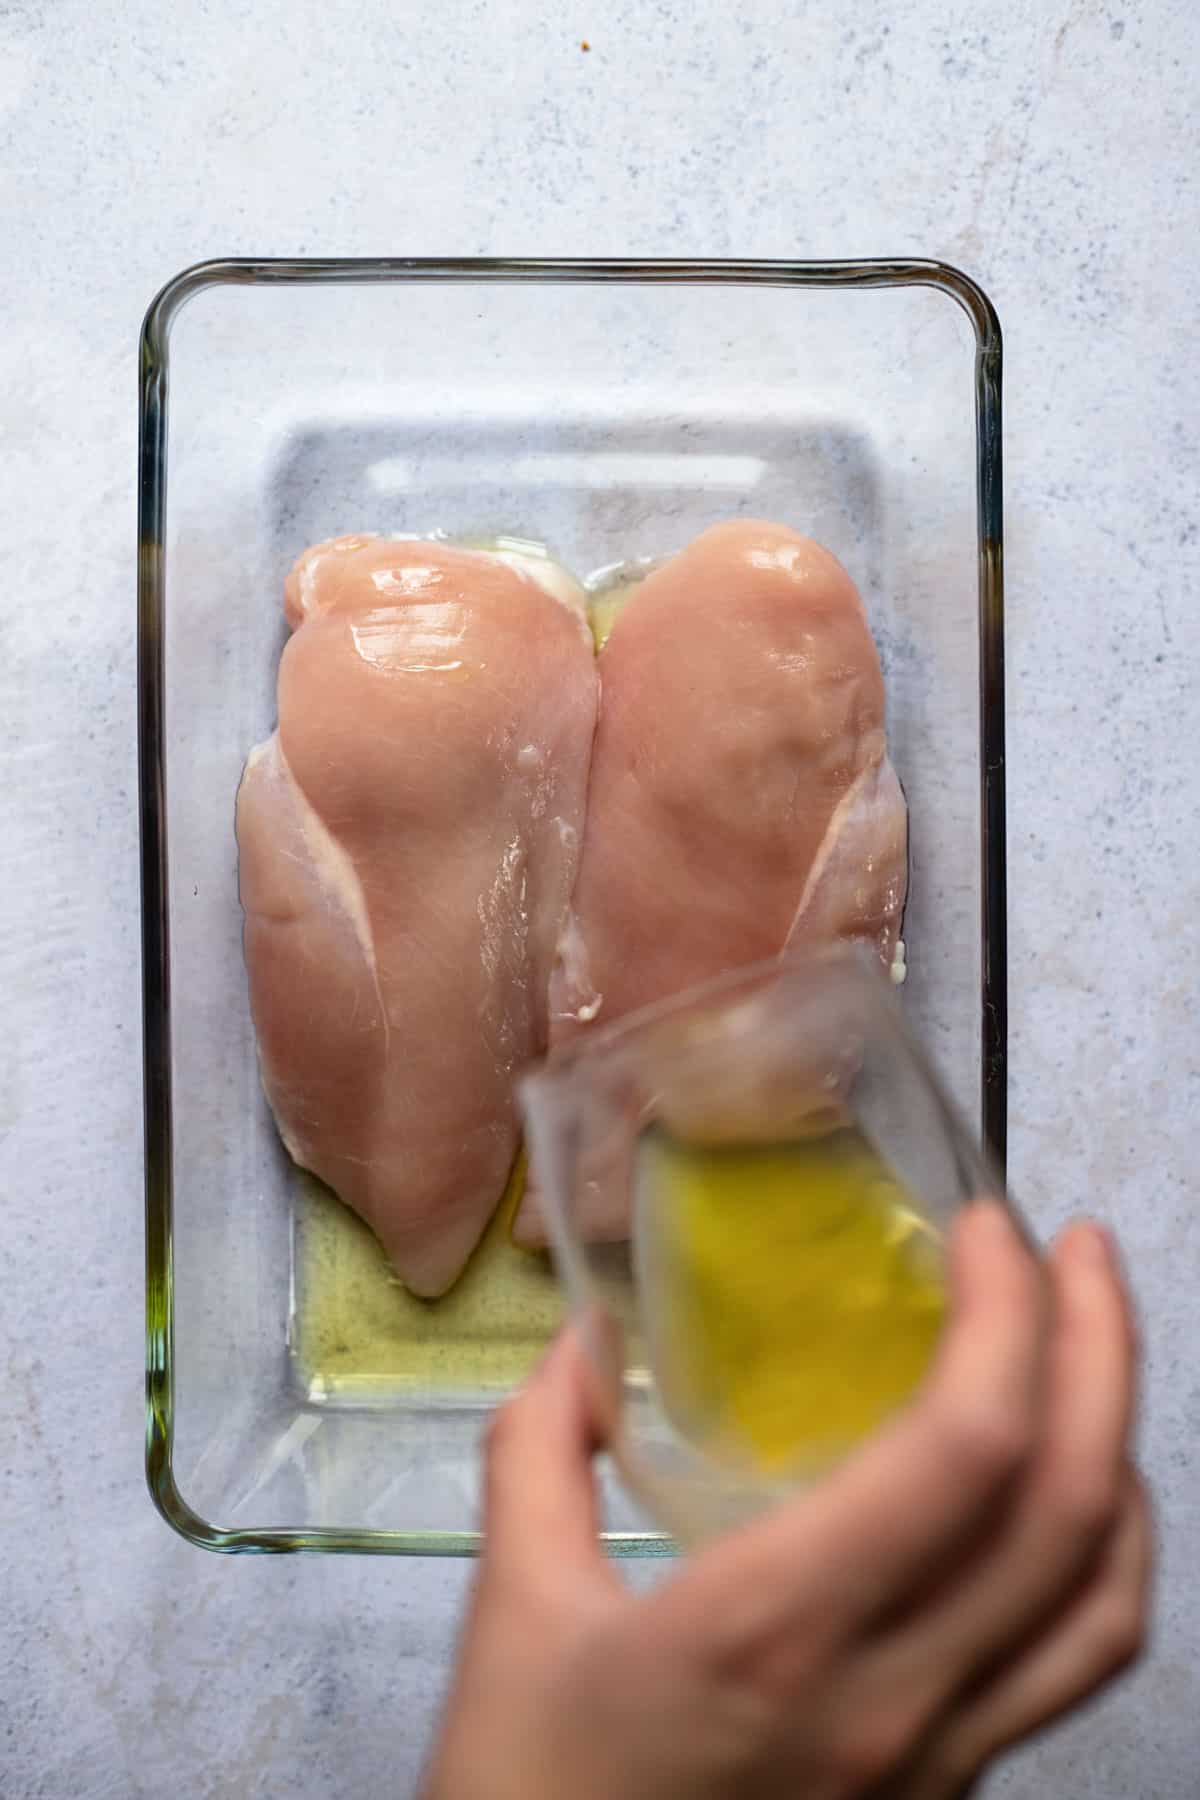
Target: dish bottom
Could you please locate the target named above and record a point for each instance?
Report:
(357, 1337)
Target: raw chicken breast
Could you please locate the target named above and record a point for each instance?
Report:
(408, 839)
(741, 797)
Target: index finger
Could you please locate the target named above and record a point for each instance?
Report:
(857, 1544)
(540, 1502)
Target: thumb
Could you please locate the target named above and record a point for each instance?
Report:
(540, 1501)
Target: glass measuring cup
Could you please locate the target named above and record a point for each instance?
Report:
(747, 1190)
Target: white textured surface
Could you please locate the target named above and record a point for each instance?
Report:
(1053, 152)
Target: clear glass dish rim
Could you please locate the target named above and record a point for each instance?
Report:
(154, 371)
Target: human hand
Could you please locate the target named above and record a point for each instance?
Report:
(974, 1571)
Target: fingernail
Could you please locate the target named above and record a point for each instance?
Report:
(551, 1356)
(991, 1216)
(1091, 1241)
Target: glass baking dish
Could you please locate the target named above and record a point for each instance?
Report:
(296, 1398)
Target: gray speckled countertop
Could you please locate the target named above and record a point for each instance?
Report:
(1053, 152)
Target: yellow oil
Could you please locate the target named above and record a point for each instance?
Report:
(358, 1337)
(605, 603)
(796, 1293)
(602, 614)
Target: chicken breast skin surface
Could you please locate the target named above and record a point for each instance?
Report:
(741, 797)
(408, 841)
